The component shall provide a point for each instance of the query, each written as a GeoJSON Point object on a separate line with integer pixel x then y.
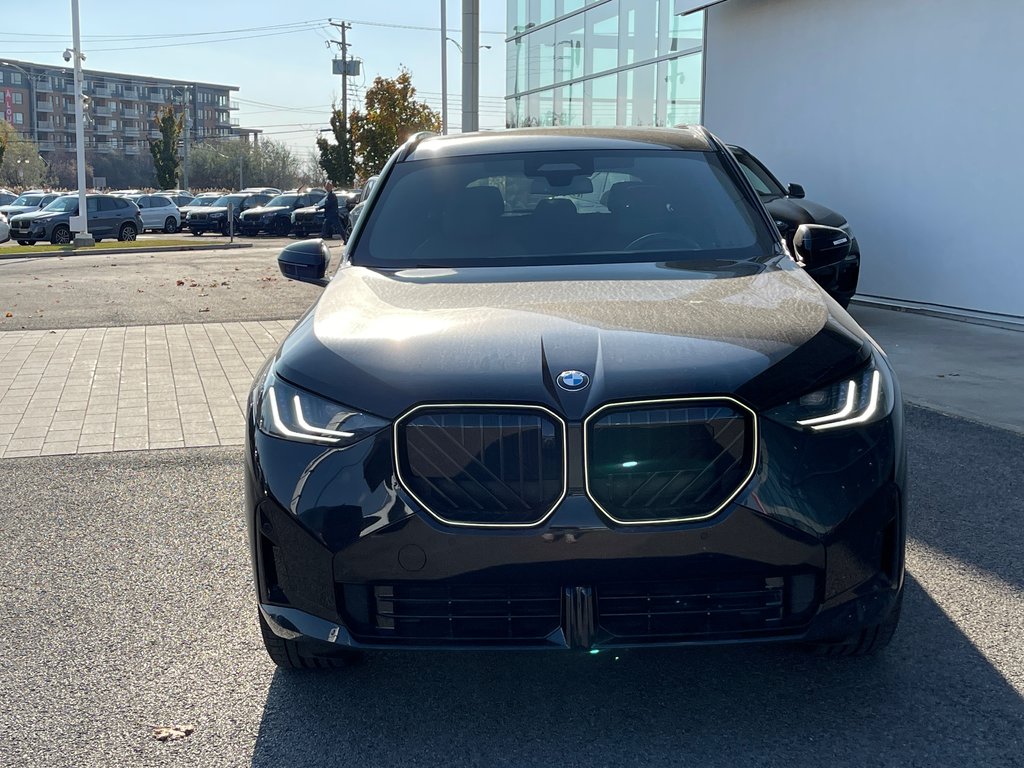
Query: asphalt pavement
{"type": "Point", "coordinates": [127, 605]}
{"type": "Point", "coordinates": [125, 590]}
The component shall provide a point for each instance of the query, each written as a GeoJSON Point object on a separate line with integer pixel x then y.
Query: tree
{"type": "Point", "coordinates": [165, 149]}
{"type": "Point", "coordinates": [336, 159]}
{"type": "Point", "coordinates": [216, 164]}
{"type": "Point", "coordinates": [392, 116]}
{"type": "Point", "coordinates": [20, 164]}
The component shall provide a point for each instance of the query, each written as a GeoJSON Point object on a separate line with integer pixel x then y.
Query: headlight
{"type": "Point", "coordinates": [295, 414]}
{"type": "Point", "coordinates": [217, 215]}
{"type": "Point", "coordinates": [860, 399]}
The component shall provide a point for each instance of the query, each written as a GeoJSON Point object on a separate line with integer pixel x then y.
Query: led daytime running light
{"type": "Point", "coordinates": [851, 399]}
{"type": "Point", "coordinates": [869, 411]}
{"type": "Point", "coordinates": [282, 429]}
{"type": "Point", "coordinates": [309, 427]}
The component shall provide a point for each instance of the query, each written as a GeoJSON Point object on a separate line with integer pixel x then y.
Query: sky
{"type": "Point", "coordinates": [281, 63]}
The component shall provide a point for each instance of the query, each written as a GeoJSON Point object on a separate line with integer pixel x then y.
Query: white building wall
{"type": "Point", "coordinates": [905, 116]}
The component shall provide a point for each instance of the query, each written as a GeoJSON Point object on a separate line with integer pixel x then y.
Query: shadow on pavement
{"type": "Point", "coordinates": [966, 486]}
{"type": "Point", "coordinates": [932, 699]}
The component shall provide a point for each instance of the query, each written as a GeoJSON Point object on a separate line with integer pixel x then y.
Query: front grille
{"type": "Point", "coordinates": [197, 216]}
{"type": "Point", "coordinates": [703, 609]}
{"type": "Point", "coordinates": [486, 465]}
{"type": "Point", "coordinates": [660, 462]}
{"type": "Point", "coordinates": [441, 613]}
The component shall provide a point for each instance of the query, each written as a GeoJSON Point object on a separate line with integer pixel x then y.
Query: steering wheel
{"type": "Point", "coordinates": [670, 239]}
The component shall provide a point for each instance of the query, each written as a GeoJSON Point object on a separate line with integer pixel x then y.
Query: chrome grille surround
{"type": "Point", "coordinates": [706, 401]}
{"type": "Point", "coordinates": [480, 407]}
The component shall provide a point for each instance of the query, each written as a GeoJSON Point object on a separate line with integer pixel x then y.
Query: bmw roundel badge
{"type": "Point", "coordinates": [572, 380]}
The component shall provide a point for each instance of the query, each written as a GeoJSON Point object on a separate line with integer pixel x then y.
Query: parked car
{"type": "Point", "coordinates": [262, 190]}
{"type": "Point", "coordinates": [27, 202]}
{"type": "Point", "coordinates": [789, 209]}
{"type": "Point", "coordinates": [5, 228]}
{"type": "Point", "coordinates": [364, 194]}
{"type": "Point", "coordinates": [7, 197]}
{"type": "Point", "coordinates": [159, 213]}
{"type": "Point", "coordinates": [509, 424]}
{"type": "Point", "coordinates": [202, 200]}
{"type": "Point", "coordinates": [310, 220]}
{"type": "Point", "coordinates": [275, 217]}
{"type": "Point", "coordinates": [108, 217]}
{"type": "Point", "coordinates": [180, 197]}
{"type": "Point", "coordinates": [214, 218]}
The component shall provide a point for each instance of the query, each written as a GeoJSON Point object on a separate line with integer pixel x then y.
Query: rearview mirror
{"type": "Point", "coordinates": [818, 246]}
{"type": "Point", "coordinates": [305, 261]}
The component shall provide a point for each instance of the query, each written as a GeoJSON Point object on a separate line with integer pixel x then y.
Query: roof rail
{"type": "Point", "coordinates": [413, 141]}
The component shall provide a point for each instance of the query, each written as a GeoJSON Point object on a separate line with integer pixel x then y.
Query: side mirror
{"type": "Point", "coordinates": [305, 261]}
{"type": "Point", "coordinates": [818, 246]}
{"type": "Point", "coordinates": [796, 190]}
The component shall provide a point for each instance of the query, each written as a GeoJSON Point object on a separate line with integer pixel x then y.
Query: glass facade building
{"type": "Point", "coordinates": [603, 62]}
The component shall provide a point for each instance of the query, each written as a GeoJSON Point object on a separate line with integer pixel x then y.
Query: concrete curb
{"type": "Point", "coordinates": [115, 251]}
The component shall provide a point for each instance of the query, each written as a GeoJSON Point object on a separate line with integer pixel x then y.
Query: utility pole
{"type": "Point", "coordinates": [344, 72]}
{"type": "Point", "coordinates": [82, 236]}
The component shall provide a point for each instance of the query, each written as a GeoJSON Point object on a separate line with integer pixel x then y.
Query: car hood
{"type": "Point", "coordinates": [214, 209]}
{"type": "Point", "coordinates": [14, 210]}
{"type": "Point", "coordinates": [265, 209]}
{"type": "Point", "coordinates": [42, 214]}
{"type": "Point", "coordinates": [385, 341]}
{"type": "Point", "coordinates": [795, 212]}
{"type": "Point", "coordinates": [309, 209]}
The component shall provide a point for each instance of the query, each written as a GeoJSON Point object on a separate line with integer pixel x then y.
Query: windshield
{"type": "Point", "coordinates": [284, 201]}
{"type": "Point", "coordinates": [202, 202]}
{"type": "Point", "coordinates": [28, 200]}
{"type": "Point", "coordinates": [762, 181]}
{"type": "Point", "coordinates": [566, 207]}
{"type": "Point", "coordinates": [63, 204]}
{"type": "Point", "coordinates": [235, 200]}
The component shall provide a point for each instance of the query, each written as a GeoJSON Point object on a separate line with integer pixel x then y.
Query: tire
{"type": "Point", "coordinates": [196, 232]}
{"type": "Point", "coordinates": [281, 228]}
{"type": "Point", "coordinates": [868, 641]}
{"type": "Point", "coordinates": [61, 235]}
{"type": "Point", "coordinates": [289, 654]}
{"type": "Point", "coordinates": [26, 242]}
{"type": "Point", "coordinates": [127, 232]}
{"type": "Point", "coordinates": [224, 230]}
{"type": "Point", "coordinates": [98, 239]}
{"type": "Point", "coordinates": [170, 225]}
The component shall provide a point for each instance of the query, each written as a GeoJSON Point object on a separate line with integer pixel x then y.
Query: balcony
{"type": "Point", "coordinates": [232, 105]}
{"type": "Point", "coordinates": [156, 98]}
{"type": "Point", "coordinates": [130, 93]}
{"type": "Point", "coordinates": [47, 146]}
{"type": "Point", "coordinates": [44, 106]}
{"type": "Point", "coordinates": [101, 91]}
{"type": "Point", "coordinates": [44, 86]}
{"type": "Point", "coordinates": [155, 134]}
{"type": "Point", "coordinates": [131, 149]}
{"type": "Point", "coordinates": [104, 128]}
{"type": "Point", "coordinates": [46, 125]}
{"type": "Point", "coordinates": [132, 132]}
{"type": "Point", "coordinates": [103, 111]}
{"type": "Point", "coordinates": [130, 113]}
{"type": "Point", "coordinates": [103, 147]}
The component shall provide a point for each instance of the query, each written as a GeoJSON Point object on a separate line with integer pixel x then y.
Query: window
{"type": "Point", "coordinates": [16, 96]}
{"type": "Point", "coordinates": [15, 78]}
{"type": "Point", "coordinates": [108, 203]}
{"type": "Point", "coordinates": [91, 205]}
{"type": "Point", "coordinates": [19, 118]}
{"type": "Point", "coordinates": [561, 207]}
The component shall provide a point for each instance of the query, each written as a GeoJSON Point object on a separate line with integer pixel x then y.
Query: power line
{"type": "Point", "coordinates": [119, 38]}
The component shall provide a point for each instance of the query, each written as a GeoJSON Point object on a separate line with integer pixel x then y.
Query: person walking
{"type": "Point", "coordinates": [330, 205]}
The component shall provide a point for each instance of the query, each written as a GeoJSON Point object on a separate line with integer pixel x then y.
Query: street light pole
{"type": "Point", "coordinates": [82, 236]}
{"type": "Point", "coordinates": [444, 67]}
{"type": "Point", "coordinates": [470, 65]}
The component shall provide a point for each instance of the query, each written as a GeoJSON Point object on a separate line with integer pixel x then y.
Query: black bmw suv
{"type": "Point", "coordinates": [789, 210]}
{"type": "Point", "coordinates": [518, 417]}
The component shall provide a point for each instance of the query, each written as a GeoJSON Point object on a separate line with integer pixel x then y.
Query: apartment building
{"type": "Point", "coordinates": [38, 100]}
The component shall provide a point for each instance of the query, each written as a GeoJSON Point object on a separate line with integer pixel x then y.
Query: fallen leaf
{"type": "Point", "coordinates": [205, 309]}
{"type": "Point", "coordinates": [201, 295]}
{"type": "Point", "coordinates": [179, 282]}
{"type": "Point", "coordinates": [9, 314]}
{"type": "Point", "coordinates": [172, 732]}
{"type": "Point", "coordinates": [139, 290]}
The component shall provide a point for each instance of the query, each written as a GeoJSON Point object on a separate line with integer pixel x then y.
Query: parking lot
{"type": "Point", "coordinates": [128, 604]}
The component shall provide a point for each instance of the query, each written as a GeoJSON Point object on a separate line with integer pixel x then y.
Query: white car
{"type": "Point", "coordinates": [5, 229]}
{"type": "Point", "coordinates": [159, 213]}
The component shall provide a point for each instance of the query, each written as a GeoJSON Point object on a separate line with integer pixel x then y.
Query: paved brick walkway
{"type": "Point", "coordinates": [92, 390]}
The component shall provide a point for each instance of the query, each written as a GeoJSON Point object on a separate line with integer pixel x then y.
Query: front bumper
{"type": "Point", "coordinates": [811, 549]}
